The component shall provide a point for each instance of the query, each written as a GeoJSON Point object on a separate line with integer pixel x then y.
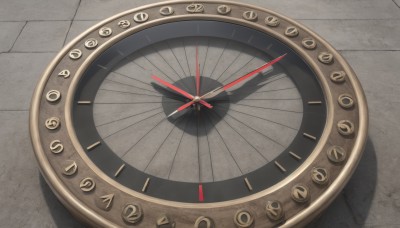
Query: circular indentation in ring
{"type": "Point", "coordinates": [105, 32]}
{"type": "Point", "coordinates": [300, 193]}
{"type": "Point", "coordinates": [291, 31]}
{"type": "Point", "coordinates": [124, 24]}
{"type": "Point", "coordinates": [346, 101]}
{"type": "Point", "coordinates": [319, 176]}
{"type": "Point", "coordinates": [345, 127]}
{"type": "Point", "coordinates": [53, 96]}
{"type": "Point", "coordinates": [272, 21]}
{"type": "Point", "coordinates": [274, 210]}
{"type": "Point", "coordinates": [338, 76]}
{"type": "Point", "coordinates": [91, 43]}
{"type": "Point", "coordinates": [75, 54]}
{"type": "Point", "coordinates": [325, 57]}
{"type": "Point", "coordinates": [224, 9]}
{"type": "Point", "coordinates": [204, 222]}
{"type": "Point", "coordinates": [336, 154]}
{"type": "Point", "coordinates": [309, 43]}
{"type": "Point", "coordinates": [243, 219]}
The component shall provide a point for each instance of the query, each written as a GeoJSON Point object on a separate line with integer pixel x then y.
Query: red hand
{"type": "Point", "coordinates": [176, 89]}
{"type": "Point", "coordinates": [197, 73]}
{"type": "Point", "coordinates": [265, 66]}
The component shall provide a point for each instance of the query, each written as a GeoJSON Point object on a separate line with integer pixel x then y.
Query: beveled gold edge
{"type": "Point", "coordinates": [339, 183]}
{"type": "Point", "coordinates": [56, 184]}
{"type": "Point", "coordinates": [322, 142]}
{"type": "Point", "coordinates": [63, 194]}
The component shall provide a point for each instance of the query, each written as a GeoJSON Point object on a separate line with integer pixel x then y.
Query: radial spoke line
{"type": "Point", "coordinates": [127, 117]}
{"type": "Point", "coordinates": [267, 137]}
{"type": "Point", "coordinates": [226, 146]}
{"type": "Point", "coordinates": [275, 109]}
{"type": "Point", "coordinates": [205, 58]}
{"type": "Point", "coordinates": [140, 102]}
{"type": "Point", "coordinates": [158, 124]}
{"type": "Point", "coordinates": [209, 151]}
{"type": "Point", "coordinates": [177, 149]}
{"type": "Point", "coordinates": [266, 159]}
{"type": "Point", "coordinates": [159, 69]}
{"type": "Point", "coordinates": [137, 64]}
{"type": "Point", "coordinates": [268, 120]}
{"type": "Point", "coordinates": [187, 60]}
{"type": "Point", "coordinates": [167, 63]}
{"type": "Point", "coordinates": [140, 94]}
{"type": "Point", "coordinates": [176, 58]}
{"type": "Point", "coordinates": [158, 149]}
{"type": "Point", "coordinates": [131, 125]}
{"type": "Point", "coordinates": [275, 90]}
{"type": "Point", "coordinates": [236, 58]}
{"type": "Point", "coordinates": [129, 85]}
{"type": "Point", "coordinates": [219, 58]}
{"type": "Point", "coordinates": [247, 63]}
{"type": "Point", "coordinates": [134, 79]}
{"type": "Point", "coordinates": [198, 146]}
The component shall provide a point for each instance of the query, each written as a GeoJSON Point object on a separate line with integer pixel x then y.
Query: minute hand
{"type": "Point", "coordinates": [221, 89]}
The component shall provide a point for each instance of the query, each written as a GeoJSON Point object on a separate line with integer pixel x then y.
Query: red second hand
{"type": "Point", "coordinates": [197, 73]}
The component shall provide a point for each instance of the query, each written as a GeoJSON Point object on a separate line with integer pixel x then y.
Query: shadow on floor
{"type": "Point", "coordinates": [61, 216]}
{"type": "Point", "coordinates": [351, 207]}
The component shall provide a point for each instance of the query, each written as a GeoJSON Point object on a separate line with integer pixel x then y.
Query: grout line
{"type": "Point", "coordinates": [367, 50]}
{"type": "Point", "coordinates": [30, 52]}
{"type": "Point", "coordinates": [19, 34]}
{"type": "Point", "coordinates": [72, 21]}
{"type": "Point", "coordinates": [14, 110]}
{"type": "Point", "coordinates": [394, 1]}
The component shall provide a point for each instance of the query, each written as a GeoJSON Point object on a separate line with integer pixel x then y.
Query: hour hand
{"type": "Point", "coordinates": [182, 92]}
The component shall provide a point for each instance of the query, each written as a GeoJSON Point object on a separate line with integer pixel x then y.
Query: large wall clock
{"type": "Point", "coordinates": [198, 114]}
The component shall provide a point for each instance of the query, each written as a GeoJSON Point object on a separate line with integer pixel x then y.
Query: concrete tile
{"type": "Point", "coordinates": [10, 34]}
{"type": "Point", "coordinates": [42, 36]}
{"type": "Point", "coordinates": [77, 28]}
{"type": "Point", "coordinates": [397, 2]}
{"type": "Point", "coordinates": [375, 71]}
{"type": "Point", "coordinates": [358, 34]}
{"type": "Point", "coordinates": [306, 9]}
{"type": "Point", "coordinates": [24, 194]}
{"type": "Point", "coordinates": [339, 9]}
{"type": "Point", "coordinates": [336, 215]}
{"type": "Point", "coordinates": [102, 9]}
{"type": "Point", "coordinates": [21, 10]}
{"type": "Point", "coordinates": [19, 75]}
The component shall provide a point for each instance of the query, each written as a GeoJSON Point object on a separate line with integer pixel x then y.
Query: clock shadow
{"type": "Point", "coordinates": [221, 103]}
{"type": "Point", "coordinates": [61, 216]}
{"type": "Point", "coordinates": [351, 207]}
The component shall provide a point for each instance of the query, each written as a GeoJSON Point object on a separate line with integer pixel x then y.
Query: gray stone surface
{"type": "Point", "coordinates": [306, 9]}
{"type": "Point", "coordinates": [22, 10]}
{"type": "Point", "coordinates": [358, 34]}
{"type": "Point", "coordinates": [370, 42]}
{"type": "Point", "coordinates": [52, 35]}
{"type": "Point", "coordinates": [26, 199]}
{"type": "Point", "coordinates": [77, 28]}
{"type": "Point", "coordinates": [7, 39]}
{"type": "Point", "coordinates": [19, 75]}
{"type": "Point", "coordinates": [397, 2]}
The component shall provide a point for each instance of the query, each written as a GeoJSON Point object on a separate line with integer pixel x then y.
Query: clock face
{"type": "Point", "coordinates": [210, 114]}
{"type": "Point", "coordinates": [254, 131]}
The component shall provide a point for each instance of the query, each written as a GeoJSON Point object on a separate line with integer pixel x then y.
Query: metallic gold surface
{"type": "Point", "coordinates": [335, 76]}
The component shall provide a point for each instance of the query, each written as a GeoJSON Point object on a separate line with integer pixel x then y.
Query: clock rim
{"type": "Point", "coordinates": [88, 215]}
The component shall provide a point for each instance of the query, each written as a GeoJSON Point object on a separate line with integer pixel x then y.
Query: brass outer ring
{"type": "Point", "coordinates": [88, 215]}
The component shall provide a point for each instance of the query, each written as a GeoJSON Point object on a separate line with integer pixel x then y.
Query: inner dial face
{"type": "Point", "coordinates": [256, 133]}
